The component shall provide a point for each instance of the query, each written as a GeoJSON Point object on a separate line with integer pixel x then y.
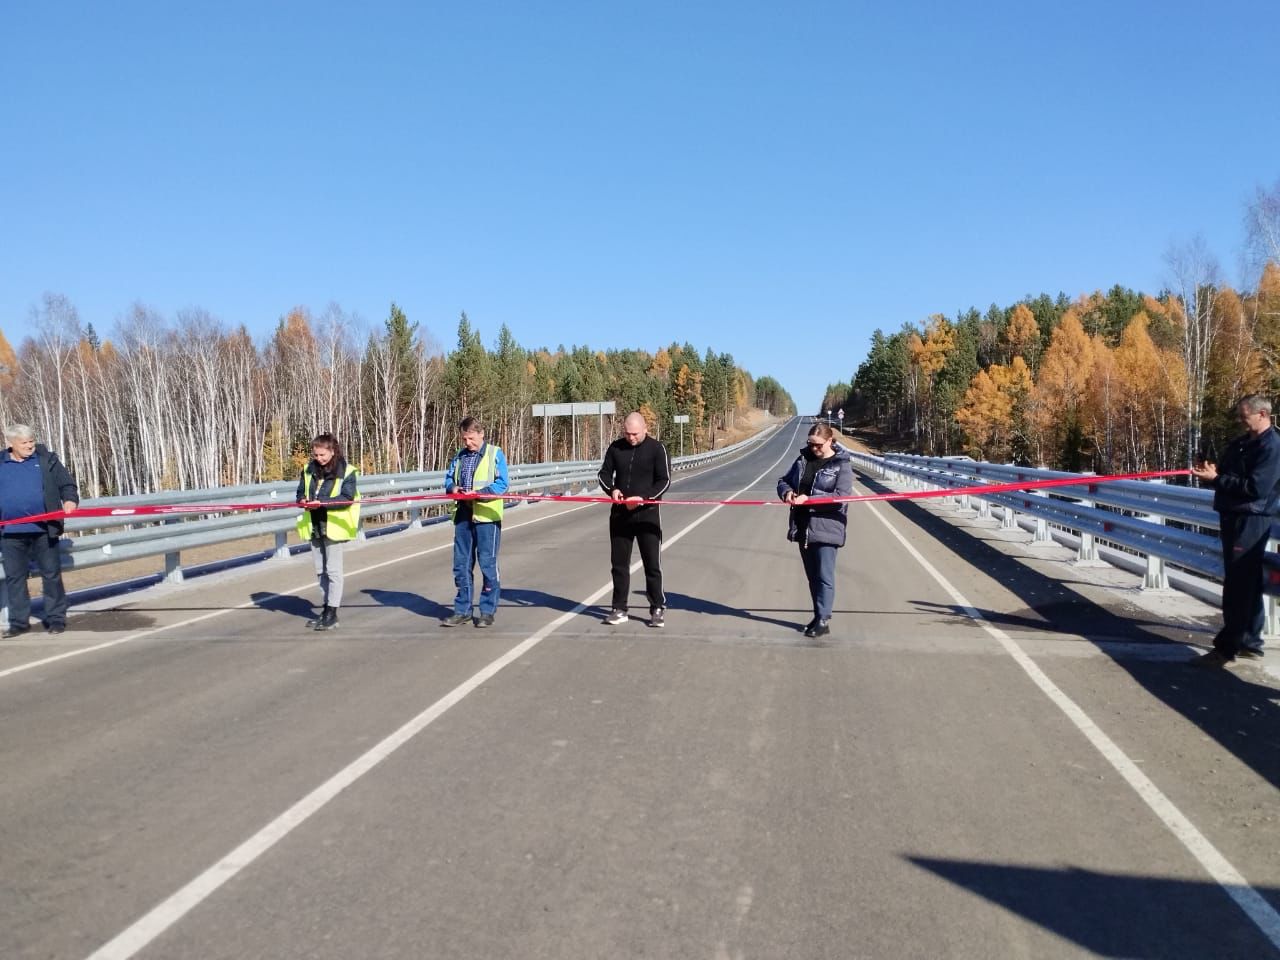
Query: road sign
{"type": "Point", "coordinates": [574, 410]}
{"type": "Point", "coordinates": [682, 419]}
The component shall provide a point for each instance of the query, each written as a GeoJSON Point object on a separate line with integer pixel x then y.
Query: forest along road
{"type": "Point", "coordinates": [980, 761]}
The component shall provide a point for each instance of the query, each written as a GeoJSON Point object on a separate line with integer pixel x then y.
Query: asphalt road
{"type": "Point", "coordinates": [993, 755]}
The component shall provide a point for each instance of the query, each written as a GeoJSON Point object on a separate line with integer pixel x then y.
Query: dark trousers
{"type": "Point", "coordinates": [645, 530]}
{"type": "Point", "coordinates": [18, 551]}
{"type": "Point", "coordinates": [1244, 541]}
{"type": "Point", "coordinates": [820, 570]}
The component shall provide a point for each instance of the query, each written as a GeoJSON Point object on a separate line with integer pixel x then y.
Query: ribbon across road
{"type": "Point", "coordinates": [1089, 484]}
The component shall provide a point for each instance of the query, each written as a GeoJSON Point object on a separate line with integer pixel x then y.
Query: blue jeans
{"type": "Point", "coordinates": [820, 569]}
{"type": "Point", "coordinates": [471, 542]}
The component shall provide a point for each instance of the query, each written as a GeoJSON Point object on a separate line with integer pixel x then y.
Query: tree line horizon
{"type": "Point", "coordinates": [1113, 382]}
{"type": "Point", "coordinates": [190, 402]}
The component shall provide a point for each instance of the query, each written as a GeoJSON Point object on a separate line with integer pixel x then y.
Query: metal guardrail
{"type": "Point", "coordinates": [1161, 525]}
{"type": "Point", "coordinates": [96, 541]}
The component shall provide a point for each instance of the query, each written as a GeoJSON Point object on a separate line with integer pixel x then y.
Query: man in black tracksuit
{"type": "Point", "coordinates": [636, 468]}
{"type": "Point", "coordinates": [1246, 487]}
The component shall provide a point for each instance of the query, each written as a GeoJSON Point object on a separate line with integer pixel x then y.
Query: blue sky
{"type": "Point", "coordinates": [772, 180]}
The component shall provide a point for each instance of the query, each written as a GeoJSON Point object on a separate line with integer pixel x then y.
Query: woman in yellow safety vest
{"type": "Point", "coordinates": [328, 478]}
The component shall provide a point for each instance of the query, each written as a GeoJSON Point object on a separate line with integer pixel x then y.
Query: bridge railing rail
{"type": "Point", "coordinates": [1150, 526]}
{"type": "Point", "coordinates": [94, 541]}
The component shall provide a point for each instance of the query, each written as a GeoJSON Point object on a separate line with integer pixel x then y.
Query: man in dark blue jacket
{"type": "Point", "coordinates": [33, 481]}
{"type": "Point", "coordinates": [1246, 487]}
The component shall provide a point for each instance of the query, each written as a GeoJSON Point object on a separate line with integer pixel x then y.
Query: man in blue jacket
{"type": "Point", "coordinates": [1246, 488]}
{"type": "Point", "coordinates": [33, 481]}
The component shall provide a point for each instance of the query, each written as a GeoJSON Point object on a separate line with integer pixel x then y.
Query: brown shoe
{"type": "Point", "coordinates": [1213, 660]}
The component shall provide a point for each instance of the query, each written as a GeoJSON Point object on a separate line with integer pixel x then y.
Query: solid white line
{"type": "Point", "coordinates": [249, 604]}
{"type": "Point", "coordinates": [169, 911]}
{"type": "Point", "coordinates": [1197, 844]}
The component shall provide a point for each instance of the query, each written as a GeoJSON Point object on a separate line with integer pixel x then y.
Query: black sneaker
{"type": "Point", "coordinates": [657, 617]}
{"type": "Point", "coordinates": [456, 620]}
{"type": "Point", "coordinates": [819, 628]}
{"type": "Point", "coordinates": [1213, 660]}
{"type": "Point", "coordinates": [1248, 654]}
{"type": "Point", "coordinates": [14, 632]}
{"type": "Point", "coordinates": [56, 628]}
{"type": "Point", "coordinates": [616, 617]}
{"type": "Point", "coordinates": [484, 620]}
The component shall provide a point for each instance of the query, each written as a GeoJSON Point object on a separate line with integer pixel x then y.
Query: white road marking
{"type": "Point", "coordinates": [168, 912]}
{"type": "Point", "coordinates": [1197, 844]}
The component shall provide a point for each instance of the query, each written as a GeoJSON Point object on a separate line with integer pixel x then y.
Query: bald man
{"type": "Point", "coordinates": [637, 468]}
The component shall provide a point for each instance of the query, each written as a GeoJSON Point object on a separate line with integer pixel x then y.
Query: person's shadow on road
{"type": "Point", "coordinates": [688, 604]}
{"type": "Point", "coordinates": [410, 602]}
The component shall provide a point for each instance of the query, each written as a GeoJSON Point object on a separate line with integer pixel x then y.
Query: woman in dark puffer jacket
{"type": "Point", "coordinates": [822, 470]}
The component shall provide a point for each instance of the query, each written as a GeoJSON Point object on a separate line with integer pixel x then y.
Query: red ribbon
{"type": "Point", "coordinates": [992, 488]}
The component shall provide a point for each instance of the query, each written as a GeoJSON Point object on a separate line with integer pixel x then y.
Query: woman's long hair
{"type": "Point", "coordinates": [329, 441]}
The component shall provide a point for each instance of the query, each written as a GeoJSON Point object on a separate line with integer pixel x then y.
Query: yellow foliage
{"type": "Point", "coordinates": [930, 354]}
{"type": "Point", "coordinates": [993, 407]}
{"type": "Point", "coordinates": [661, 366]}
{"type": "Point", "coordinates": [1065, 368]}
{"type": "Point", "coordinates": [1022, 335]}
{"type": "Point", "coordinates": [8, 364]}
{"type": "Point", "coordinates": [1235, 362]}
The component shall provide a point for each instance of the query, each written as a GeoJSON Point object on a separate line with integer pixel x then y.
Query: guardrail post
{"type": "Point", "coordinates": [4, 605]}
{"type": "Point", "coordinates": [1042, 537]}
{"type": "Point", "coordinates": [1087, 552]}
{"type": "Point", "coordinates": [282, 544]}
{"type": "Point", "coordinates": [984, 508]}
{"type": "Point", "coordinates": [173, 568]}
{"type": "Point", "coordinates": [1156, 578]}
{"type": "Point", "coordinates": [1010, 519]}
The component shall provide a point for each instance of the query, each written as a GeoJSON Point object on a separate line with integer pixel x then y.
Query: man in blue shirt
{"type": "Point", "coordinates": [33, 481]}
{"type": "Point", "coordinates": [478, 468]}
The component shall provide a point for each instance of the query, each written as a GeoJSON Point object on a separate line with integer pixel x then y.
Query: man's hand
{"type": "Point", "coordinates": [1207, 471]}
{"type": "Point", "coordinates": [616, 495]}
{"type": "Point", "coordinates": [633, 502]}
{"type": "Point", "coordinates": [69, 506]}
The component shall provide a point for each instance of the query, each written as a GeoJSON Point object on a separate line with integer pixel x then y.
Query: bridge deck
{"type": "Point", "coordinates": [913, 785]}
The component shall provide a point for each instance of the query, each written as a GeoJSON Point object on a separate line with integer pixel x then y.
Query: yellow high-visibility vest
{"type": "Point", "coordinates": [482, 511]}
{"type": "Point", "coordinates": [341, 523]}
